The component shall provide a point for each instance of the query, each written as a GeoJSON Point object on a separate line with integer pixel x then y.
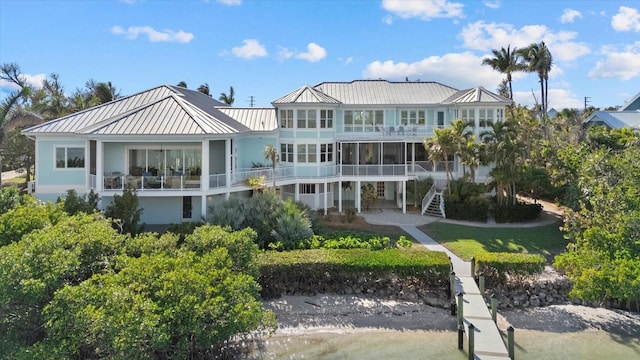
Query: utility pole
{"type": "Point", "coordinates": [252, 100]}
{"type": "Point", "coordinates": [587, 100]}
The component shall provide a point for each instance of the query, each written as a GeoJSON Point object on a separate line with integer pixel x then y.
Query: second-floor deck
{"type": "Point", "coordinates": [118, 182]}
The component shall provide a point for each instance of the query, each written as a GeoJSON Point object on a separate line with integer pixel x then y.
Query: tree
{"type": "Point", "coordinates": [506, 152]}
{"type": "Point", "coordinates": [19, 151]}
{"type": "Point", "coordinates": [228, 99]}
{"type": "Point", "coordinates": [538, 59]}
{"type": "Point", "coordinates": [270, 153]}
{"type": "Point", "coordinates": [182, 84]}
{"type": "Point", "coordinates": [73, 204]}
{"type": "Point", "coordinates": [442, 147]}
{"type": "Point", "coordinates": [11, 72]}
{"type": "Point", "coordinates": [124, 211]}
{"type": "Point", "coordinates": [292, 227]}
{"type": "Point", "coordinates": [368, 195]}
{"type": "Point", "coordinates": [505, 62]}
{"type": "Point", "coordinates": [204, 88]}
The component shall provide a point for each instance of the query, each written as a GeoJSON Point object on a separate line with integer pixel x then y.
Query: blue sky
{"type": "Point", "coordinates": [266, 49]}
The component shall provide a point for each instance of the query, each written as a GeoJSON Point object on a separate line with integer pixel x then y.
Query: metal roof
{"type": "Point", "coordinates": [632, 103]}
{"type": "Point", "coordinates": [306, 95]}
{"type": "Point", "coordinates": [383, 92]}
{"type": "Point", "coordinates": [616, 119]}
{"type": "Point", "coordinates": [164, 110]}
{"type": "Point", "coordinates": [256, 119]}
{"type": "Point", "coordinates": [476, 95]}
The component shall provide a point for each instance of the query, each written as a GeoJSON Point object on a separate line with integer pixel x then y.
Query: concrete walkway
{"type": "Point", "coordinates": [488, 340]}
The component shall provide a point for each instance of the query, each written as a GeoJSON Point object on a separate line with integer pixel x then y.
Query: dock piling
{"type": "Point", "coordinates": [472, 330]}
{"type": "Point", "coordinates": [511, 342]}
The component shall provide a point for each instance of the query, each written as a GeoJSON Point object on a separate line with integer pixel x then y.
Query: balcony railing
{"type": "Point", "coordinates": [386, 131]}
{"type": "Point", "coordinates": [117, 182]}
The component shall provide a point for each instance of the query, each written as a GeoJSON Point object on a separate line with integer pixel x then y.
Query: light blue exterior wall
{"type": "Point", "coordinates": [47, 172]}
{"type": "Point", "coordinates": [163, 210]}
{"type": "Point", "coordinates": [114, 158]}
{"type": "Point", "coordinates": [217, 157]}
{"type": "Point", "coordinates": [327, 134]}
{"type": "Point", "coordinates": [252, 150]}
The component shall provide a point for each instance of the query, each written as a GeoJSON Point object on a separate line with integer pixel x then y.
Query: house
{"type": "Point", "coordinates": [627, 116]}
{"type": "Point", "coordinates": [184, 151]}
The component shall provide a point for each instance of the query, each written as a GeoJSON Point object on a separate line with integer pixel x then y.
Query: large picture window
{"type": "Point", "coordinates": [165, 162]}
{"type": "Point", "coordinates": [307, 119]}
{"type": "Point", "coordinates": [69, 157]}
{"type": "Point", "coordinates": [363, 120]}
{"type": "Point", "coordinates": [412, 117]}
{"type": "Point", "coordinates": [307, 153]}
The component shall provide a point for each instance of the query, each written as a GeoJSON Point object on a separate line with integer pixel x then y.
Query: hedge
{"type": "Point", "coordinates": [466, 211]}
{"type": "Point", "coordinates": [516, 213]}
{"type": "Point", "coordinates": [499, 267]}
{"type": "Point", "coordinates": [319, 269]}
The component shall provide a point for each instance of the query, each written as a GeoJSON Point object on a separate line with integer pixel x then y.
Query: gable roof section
{"type": "Point", "coordinates": [256, 119]}
{"type": "Point", "coordinates": [383, 92]}
{"type": "Point", "coordinates": [164, 110]}
{"type": "Point", "coordinates": [306, 95]}
{"type": "Point", "coordinates": [616, 119]}
{"type": "Point", "coordinates": [476, 95]}
{"type": "Point", "coordinates": [631, 104]}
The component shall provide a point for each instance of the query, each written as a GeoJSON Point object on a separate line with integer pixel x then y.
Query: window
{"type": "Point", "coordinates": [363, 120]}
{"type": "Point", "coordinates": [165, 162]}
{"type": "Point", "coordinates": [468, 115]}
{"type": "Point", "coordinates": [326, 119]}
{"type": "Point", "coordinates": [307, 188]}
{"type": "Point", "coordinates": [69, 157]}
{"type": "Point", "coordinates": [286, 153]}
{"type": "Point", "coordinates": [326, 152]}
{"type": "Point", "coordinates": [307, 119]}
{"type": "Point", "coordinates": [380, 189]}
{"type": "Point", "coordinates": [187, 207]}
{"type": "Point", "coordinates": [440, 119]}
{"type": "Point", "coordinates": [307, 153]}
{"type": "Point", "coordinates": [499, 114]}
{"type": "Point", "coordinates": [482, 117]}
{"type": "Point", "coordinates": [286, 119]}
{"type": "Point", "coordinates": [412, 117]}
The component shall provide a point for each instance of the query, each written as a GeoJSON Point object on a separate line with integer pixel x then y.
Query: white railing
{"type": "Point", "coordinates": [428, 197]}
{"type": "Point", "coordinates": [374, 170]}
{"type": "Point", "coordinates": [417, 131]}
{"type": "Point", "coordinates": [151, 183]}
{"type": "Point", "coordinates": [444, 215]}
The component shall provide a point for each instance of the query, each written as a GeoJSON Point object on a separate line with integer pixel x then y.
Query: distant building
{"type": "Point", "coordinates": [627, 116]}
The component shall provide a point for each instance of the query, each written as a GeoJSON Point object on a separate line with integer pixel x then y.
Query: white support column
{"type": "Point", "coordinates": [404, 196]}
{"type": "Point", "coordinates": [296, 193]}
{"type": "Point", "coordinates": [340, 196]}
{"type": "Point", "coordinates": [358, 195]}
{"type": "Point", "coordinates": [204, 178]}
{"type": "Point", "coordinates": [326, 189]}
{"type": "Point", "coordinates": [99, 166]}
{"type": "Point", "coordinates": [227, 164]}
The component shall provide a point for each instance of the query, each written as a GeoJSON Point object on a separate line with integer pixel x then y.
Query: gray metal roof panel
{"type": "Point", "coordinates": [476, 95]}
{"type": "Point", "coordinates": [383, 92]}
{"type": "Point", "coordinates": [256, 119]}
{"type": "Point", "coordinates": [162, 110]}
{"type": "Point", "coordinates": [306, 95]}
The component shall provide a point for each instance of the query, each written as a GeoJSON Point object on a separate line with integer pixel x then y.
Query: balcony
{"type": "Point", "coordinates": [385, 132]}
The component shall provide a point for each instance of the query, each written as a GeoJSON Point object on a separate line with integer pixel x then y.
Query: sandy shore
{"type": "Point", "coordinates": [348, 313]}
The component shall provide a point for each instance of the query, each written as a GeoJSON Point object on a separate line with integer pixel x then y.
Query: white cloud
{"type": "Point", "coordinates": [569, 16]}
{"type": "Point", "coordinates": [314, 53]}
{"type": "Point", "coordinates": [492, 4]}
{"type": "Point", "coordinates": [469, 71]}
{"type": "Point", "coordinates": [623, 65]}
{"type": "Point", "coordinates": [284, 53]}
{"type": "Point", "coordinates": [251, 48]}
{"type": "Point", "coordinates": [425, 9]}
{"type": "Point", "coordinates": [230, 2]}
{"type": "Point", "coordinates": [133, 32]}
{"type": "Point", "coordinates": [486, 36]}
{"type": "Point", "coordinates": [388, 19]}
{"type": "Point", "coordinates": [35, 81]}
{"type": "Point", "coordinates": [627, 19]}
{"type": "Point", "coordinates": [347, 60]}
{"type": "Point", "coordinates": [559, 98]}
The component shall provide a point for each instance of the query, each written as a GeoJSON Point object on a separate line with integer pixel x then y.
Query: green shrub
{"type": "Point", "coordinates": [311, 269]}
{"type": "Point", "coordinates": [516, 213]}
{"type": "Point", "coordinates": [184, 229]}
{"type": "Point", "coordinates": [27, 216]}
{"type": "Point", "coordinates": [473, 209]}
{"type": "Point", "coordinates": [74, 203]}
{"type": "Point", "coordinates": [500, 267]}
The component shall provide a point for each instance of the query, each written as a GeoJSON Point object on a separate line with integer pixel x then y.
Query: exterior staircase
{"type": "Point", "coordinates": [433, 201]}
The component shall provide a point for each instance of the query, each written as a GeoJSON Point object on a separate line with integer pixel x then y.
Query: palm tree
{"type": "Point", "coordinates": [461, 136]}
{"type": "Point", "coordinates": [506, 153]}
{"type": "Point", "coordinates": [182, 84]}
{"type": "Point", "coordinates": [270, 153]}
{"type": "Point", "coordinates": [204, 88]}
{"type": "Point", "coordinates": [440, 147]}
{"type": "Point", "coordinates": [538, 59]}
{"type": "Point", "coordinates": [105, 92]}
{"type": "Point", "coordinates": [505, 62]}
{"type": "Point", "coordinates": [11, 72]}
{"type": "Point", "coordinates": [228, 99]}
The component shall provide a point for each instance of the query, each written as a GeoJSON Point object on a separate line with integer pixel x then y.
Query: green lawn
{"type": "Point", "coordinates": [467, 241]}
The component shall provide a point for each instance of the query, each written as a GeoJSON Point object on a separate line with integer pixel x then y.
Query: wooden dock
{"type": "Point", "coordinates": [488, 342]}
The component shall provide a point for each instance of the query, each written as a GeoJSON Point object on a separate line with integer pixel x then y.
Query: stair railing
{"type": "Point", "coordinates": [428, 197]}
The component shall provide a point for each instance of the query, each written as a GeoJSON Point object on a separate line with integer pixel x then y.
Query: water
{"type": "Point", "coordinates": [392, 344]}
